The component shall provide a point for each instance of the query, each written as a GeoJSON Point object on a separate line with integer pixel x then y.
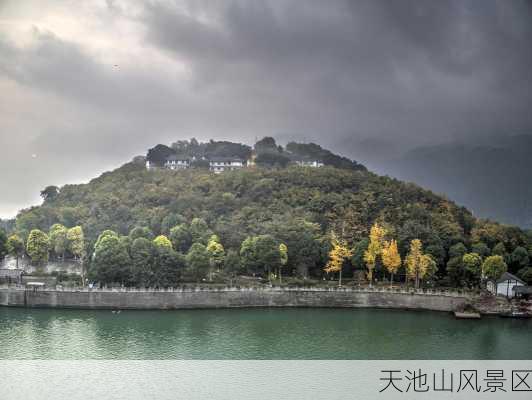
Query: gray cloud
{"type": "Point", "coordinates": [353, 75]}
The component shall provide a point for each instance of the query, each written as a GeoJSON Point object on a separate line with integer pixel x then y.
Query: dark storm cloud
{"type": "Point", "coordinates": [415, 70]}
{"type": "Point", "coordinates": [357, 76]}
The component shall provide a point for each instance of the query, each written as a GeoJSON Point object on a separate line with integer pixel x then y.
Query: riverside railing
{"type": "Point", "coordinates": [193, 289]}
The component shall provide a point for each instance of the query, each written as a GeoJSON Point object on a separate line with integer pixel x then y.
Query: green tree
{"type": "Point", "coordinates": [181, 238]}
{"type": "Point", "coordinates": [169, 267]}
{"type": "Point", "coordinates": [519, 259]}
{"type": "Point", "coordinates": [3, 244]}
{"type": "Point", "coordinates": [437, 252]}
{"type": "Point", "coordinates": [103, 235]}
{"type": "Point", "coordinates": [49, 193]}
{"type": "Point", "coordinates": [472, 263]}
{"type": "Point", "coordinates": [76, 242]}
{"type": "Point", "coordinates": [493, 267]}
{"type": "Point", "coordinates": [197, 261]}
{"type": "Point", "coordinates": [455, 267]}
{"type": "Point", "coordinates": [457, 250]}
{"type": "Point", "coordinates": [259, 254]}
{"type": "Point", "coordinates": [525, 274]}
{"type": "Point", "coordinates": [200, 232]}
{"type": "Point", "coordinates": [357, 260]}
{"type": "Point", "coordinates": [481, 249]}
{"type": "Point", "coordinates": [58, 240]}
{"type": "Point", "coordinates": [248, 255]}
{"type": "Point", "coordinates": [141, 232]}
{"type": "Point", "coordinates": [38, 246]}
{"type": "Point", "coordinates": [499, 250]}
{"type": "Point", "coordinates": [143, 257]}
{"type": "Point", "coordinates": [170, 221]}
{"type": "Point", "coordinates": [15, 247]}
{"type": "Point", "coordinates": [232, 265]}
{"type": "Point", "coordinates": [111, 261]}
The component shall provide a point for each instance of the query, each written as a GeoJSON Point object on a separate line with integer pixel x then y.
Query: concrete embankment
{"type": "Point", "coordinates": [231, 298]}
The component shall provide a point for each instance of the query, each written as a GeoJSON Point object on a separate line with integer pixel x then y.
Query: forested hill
{"type": "Point", "coordinates": [299, 206]}
{"type": "Point", "coordinates": [249, 201]}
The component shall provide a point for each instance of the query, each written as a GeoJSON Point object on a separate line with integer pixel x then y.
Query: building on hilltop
{"type": "Point", "coordinates": [177, 162]}
{"type": "Point", "coordinates": [173, 162]}
{"type": "Point", "coordinates": [306, 161]}
{"type": "Point", "coordinates": [216, 164]}
{"type": "Point", "coordinates": [221, 164]}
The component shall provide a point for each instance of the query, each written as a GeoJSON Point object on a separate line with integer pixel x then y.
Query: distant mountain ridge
{"type": "Point", "coordinates": [494, 181]}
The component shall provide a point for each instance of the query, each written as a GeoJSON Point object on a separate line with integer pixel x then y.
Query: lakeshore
{"type": "Point", "coordinates": [231, 297]}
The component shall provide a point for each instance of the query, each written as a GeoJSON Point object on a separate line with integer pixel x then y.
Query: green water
{"type": "Point", "coordinates": [258, 334]}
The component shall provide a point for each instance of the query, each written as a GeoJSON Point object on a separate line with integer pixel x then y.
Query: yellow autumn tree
{"type": "Point", "coordinates": [337, 256]}
{"type": "Point", "coordinates": [391, 258]}
{"type": "Point", "coordinates": [417, 263]}
{"type": "Point", "coordinates": [283, 253]}
{"type": "Point", "coordinates": [376, 244]}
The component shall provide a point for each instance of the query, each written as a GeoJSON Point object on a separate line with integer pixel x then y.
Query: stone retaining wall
{"type": "Point", "coordinates": [226, 299]}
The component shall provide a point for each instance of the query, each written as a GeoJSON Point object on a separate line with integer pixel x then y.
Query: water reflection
{"type": "Point", "coordinates": [258, 334]}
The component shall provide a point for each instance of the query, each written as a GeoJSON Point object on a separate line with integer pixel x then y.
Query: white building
{"type": "Point", "coordinates": [309, 163]}
{"type": "Point", "coordinates": [221, 164]}
{"type": "Point", "coordinates": [505, 285]}
{"type": "Point", "coordinates": [305, 161]}
{"type": "Point", "coordinates": [177, 162]}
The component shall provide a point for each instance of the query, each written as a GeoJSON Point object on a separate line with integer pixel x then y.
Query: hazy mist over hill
{"type": "Point", "coordinates": [489, 175]}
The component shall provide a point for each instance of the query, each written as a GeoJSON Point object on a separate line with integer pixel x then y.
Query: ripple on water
{"type": "Point", "coordinates": [258, 334]}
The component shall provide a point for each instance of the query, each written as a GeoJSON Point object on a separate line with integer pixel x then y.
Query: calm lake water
{"type": "Point", "coordinates": [258, 334]}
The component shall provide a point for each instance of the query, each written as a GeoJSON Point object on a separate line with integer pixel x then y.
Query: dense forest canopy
{"type": "Point", "coordinates": [194, 220]}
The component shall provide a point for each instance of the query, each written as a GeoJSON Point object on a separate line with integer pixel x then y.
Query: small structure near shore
{"type": "Point", "coordinates": [9, 275]}
{"type": "Point", "coordinates": [505, 285]}
{"type": "Point", "coordinates": [466, 315]}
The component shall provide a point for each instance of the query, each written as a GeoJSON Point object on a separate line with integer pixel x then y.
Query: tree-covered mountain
{"type": "Point", "coordinates": [254, 210]}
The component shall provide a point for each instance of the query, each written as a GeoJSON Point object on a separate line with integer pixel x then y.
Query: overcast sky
{"type": "Point", "coordinates": [87, 85]}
